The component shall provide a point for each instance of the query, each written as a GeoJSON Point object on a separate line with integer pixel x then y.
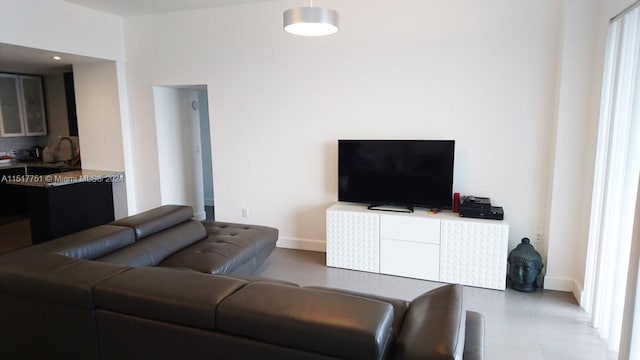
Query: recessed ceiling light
{"type": "Point", "coordinates": [57, 58]}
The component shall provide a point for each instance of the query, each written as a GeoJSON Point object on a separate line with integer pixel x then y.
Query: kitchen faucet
{"type": "Point", "coordinates": [73, 155]}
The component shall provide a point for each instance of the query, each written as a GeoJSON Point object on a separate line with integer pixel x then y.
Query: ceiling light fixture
{"type": "Point", "coordinates": [58, 58]}
{"type": "Point", "coordinates": [311, 21]}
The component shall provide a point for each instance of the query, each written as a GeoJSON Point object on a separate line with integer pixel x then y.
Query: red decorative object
{"type": "Point", "coordinates": [456, 202]}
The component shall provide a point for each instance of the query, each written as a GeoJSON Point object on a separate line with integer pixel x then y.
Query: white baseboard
{"type": "Point", "coordinates": [558, 283]}
{"type": "Point", "coordinates": [578, 292]}
{"type": "Point", "coordinates": [301, 244]}
{"type": "Point", "coordinates": [564, 284]}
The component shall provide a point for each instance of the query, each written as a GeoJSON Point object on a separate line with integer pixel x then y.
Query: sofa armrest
{"type": "Point", "coordinates": [399, 306]}
{"type": "Point", "coordinates": [474, 337]}
{"type": "Point", "coordinates": [434, 326]}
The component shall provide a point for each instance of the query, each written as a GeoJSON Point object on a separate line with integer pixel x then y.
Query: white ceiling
{"type": "Point", "coordinates": [19, 59]}
{"type": "Point", "coordinates": [145, 7]}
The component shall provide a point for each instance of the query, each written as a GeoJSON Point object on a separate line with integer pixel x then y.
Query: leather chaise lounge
{"type": "Point", "coordinates": [160, 285]}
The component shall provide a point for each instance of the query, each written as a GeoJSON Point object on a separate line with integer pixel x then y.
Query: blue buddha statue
{"type": "Point", "coordinates": [525, 267]}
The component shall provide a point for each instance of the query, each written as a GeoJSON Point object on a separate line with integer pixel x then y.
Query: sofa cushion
{"type": "Point", "coordinates": [265, 237]}
{"type": "Point", "coordinates": [179, 297]}
{"type": "Point", "coordinates": [155, 220]}
{"type": "Point", "coordinates": [226, 248]}
{"type": "Point", "coordinates": [438, 313]}
{"type": "Point", "coordinates": [322, 322]}
{"type": "Point", "coordinates": [153, 249]}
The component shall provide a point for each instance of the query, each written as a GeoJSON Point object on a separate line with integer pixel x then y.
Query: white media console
{"type": "Point", "coordinates": [438, 247]}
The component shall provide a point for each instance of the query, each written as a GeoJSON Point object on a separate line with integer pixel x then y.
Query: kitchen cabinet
{"type": "Point", "coordinates": [13, 203]}
{"type": "Point", "coordinates": [14, 200]}
{"type": "Point", "coordinates": [56, 202]}
{"type": "Point", "coordinates": [10, 112]}
{"type": "Point", "coordinates": [22, 111]}
{"type": "Point", "coordinates": [61, 210]}
{"type": "Point", "coordinates": [35, 121]}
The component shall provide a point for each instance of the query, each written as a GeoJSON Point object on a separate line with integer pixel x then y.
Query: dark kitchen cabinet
{"type": "Point", "coordinates": [54, 211]}
{"type": "Point", "coordinates": [13, 199]}
{"type": "Point", "coordinates": [61, 210]}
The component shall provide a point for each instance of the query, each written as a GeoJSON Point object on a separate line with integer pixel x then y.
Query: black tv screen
{"type": "Point", "coordinates": [396, 172]}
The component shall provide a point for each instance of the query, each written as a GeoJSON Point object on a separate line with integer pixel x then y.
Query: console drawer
{"type": "Point", "coordinates": [410, 259]}
{"type": "Point", "coordinates": [418, 229]}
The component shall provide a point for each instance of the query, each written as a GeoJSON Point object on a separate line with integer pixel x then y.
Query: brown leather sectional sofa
{"type": "Point", "coordinates": [160, 285]}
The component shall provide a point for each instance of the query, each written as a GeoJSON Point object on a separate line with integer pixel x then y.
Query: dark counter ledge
{"type": "Point", "coordinates": [64, 178]}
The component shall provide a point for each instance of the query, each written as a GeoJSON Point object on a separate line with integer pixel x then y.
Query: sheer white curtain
{"type": "Point", "coordinates": [630, 342]}
{"type": "Point", "coordinates": [616, 180]}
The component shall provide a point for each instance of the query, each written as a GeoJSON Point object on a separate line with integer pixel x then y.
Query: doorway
{"type": "Point", "coordinates": [184, 148]}
{"type": "Point", "coordinates": [207, 161]}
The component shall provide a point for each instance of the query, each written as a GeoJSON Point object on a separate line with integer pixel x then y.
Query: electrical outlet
{"type": "Point", "coordinates": [538, 239]}
{"type": "Point", "coordinates": [245, 213]}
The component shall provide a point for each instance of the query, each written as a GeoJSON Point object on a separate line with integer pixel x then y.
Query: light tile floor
{"type": "Point", "coordinates": [545, 325]}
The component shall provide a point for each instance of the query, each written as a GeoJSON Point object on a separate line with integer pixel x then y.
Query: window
{"type": "Point", "coordinates": [616, 179]}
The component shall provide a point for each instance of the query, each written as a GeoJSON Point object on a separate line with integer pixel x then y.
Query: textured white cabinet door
{"type": "Point", "coordinates": [353, 240]}
{"type": "Point", "coordinates": [410, 259]}
{"type": "Point", "coordinates": [474, 253]}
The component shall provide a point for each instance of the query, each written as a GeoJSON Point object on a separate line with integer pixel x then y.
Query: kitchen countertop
{"type": "Point", "coordinates": [64, 178]}
{"type": "Point", "coordinates": [41, 164]}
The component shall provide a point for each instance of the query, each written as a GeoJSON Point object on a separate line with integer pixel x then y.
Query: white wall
{"type": "Point", "coordinates": [579, 85]}
{"type": "Point", "coordinates": [576, 117]}
{"type": "Point", "coordinates": [100, 121]}
{"type": "Point", "coordinates": [481, 73]}
{"type": "Point", "coordinates": [179, 154]}
{"type": "Point", "coordinates": [61, 26]}
{"type": "Point", "coordinates": [98, 109]}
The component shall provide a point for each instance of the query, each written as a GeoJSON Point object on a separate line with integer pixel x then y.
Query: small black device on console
{"type": "Point", "coordinates": [480, 208]}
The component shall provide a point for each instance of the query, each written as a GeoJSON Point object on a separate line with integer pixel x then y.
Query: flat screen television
{"type": "Point", "coordinates": [407, 173]}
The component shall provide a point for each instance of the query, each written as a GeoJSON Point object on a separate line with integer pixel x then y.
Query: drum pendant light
{"type": "Point", "coordinates": [311, 21]}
